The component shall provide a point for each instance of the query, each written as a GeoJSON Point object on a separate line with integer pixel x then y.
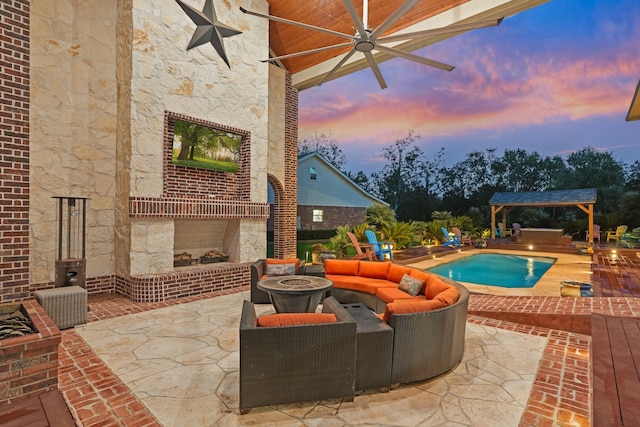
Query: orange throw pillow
{"type": "Point", "coordinates": [348, 267]}
{"type": "Point", "coordinates": [374, 269]}
{"type": "Point", "coordinates": [292, 319]}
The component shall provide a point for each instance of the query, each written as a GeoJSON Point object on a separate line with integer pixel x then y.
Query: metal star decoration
{"type": "Point", "coordinates": [209, 29]}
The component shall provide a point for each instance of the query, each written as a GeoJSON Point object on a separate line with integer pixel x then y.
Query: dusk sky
{"type": "Point", "coordinates": [553, 79]}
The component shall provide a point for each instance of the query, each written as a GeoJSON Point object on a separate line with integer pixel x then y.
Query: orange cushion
{"type": "Point", "coordinates": [448, 296]}
{"type": "Point", "coordinates": [341, 266]}
{"type": "Point", "coordinates": [291, 319]}
{"type": "Point", "coordinates": [356, 283]}
{"type": "Point", "coordinates": [405, 306]}
{"type": "Point", "coordinates": [396, 271]}
{"type": "Point", "coordinates": [295, 261]}
{"type": "Point", "coordinates": [374, 269]}
{"type": "Point", "coordinates": [422, 275]}
{"type": "Point", "coordinates": [435, 285]}
{"type": "Point", "coordinates": [392, 294]}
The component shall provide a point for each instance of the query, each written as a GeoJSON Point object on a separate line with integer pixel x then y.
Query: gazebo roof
{"type": "Point", "coordinates": [545, 198]}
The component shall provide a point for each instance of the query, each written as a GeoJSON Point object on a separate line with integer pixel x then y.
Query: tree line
{"type": "Point", "coordinates": [415, 185]}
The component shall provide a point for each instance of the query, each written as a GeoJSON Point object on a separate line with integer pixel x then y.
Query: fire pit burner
{"type": "Point", "coordinates": [14, 323]}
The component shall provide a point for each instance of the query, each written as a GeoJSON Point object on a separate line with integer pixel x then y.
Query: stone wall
{"type": "Point", "coordinates": [103, 77]}
{"type": "Point", "coordinates": [73, 127]}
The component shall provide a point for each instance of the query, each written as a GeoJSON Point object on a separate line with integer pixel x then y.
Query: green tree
{"type": "Point", "coordinates": [402, 173]}
{"type": "Point", "coordinates": [589, 168]}
{"type": "Point", "coordinates": [326, 146]}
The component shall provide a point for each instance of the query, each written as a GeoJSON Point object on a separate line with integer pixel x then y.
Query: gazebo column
{"type": "Point", "coordinates": [589, 211]}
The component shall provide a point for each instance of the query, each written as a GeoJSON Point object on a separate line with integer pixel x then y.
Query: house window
{"type": "Point", "coordinates": [313, 174]}
{"type": "Point", "coordinates": [317, 215]}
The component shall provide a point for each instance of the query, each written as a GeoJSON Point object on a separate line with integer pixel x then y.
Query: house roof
{"type": "Point", "coordinates": [315, 154]}
{"type": "Point", "coordinates": [545, 198]}
{"type": "Point", "coordinates": [307, 70]}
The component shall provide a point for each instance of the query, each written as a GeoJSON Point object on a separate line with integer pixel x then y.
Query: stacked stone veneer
{"type": "Point", "coordinates": [29, 364]}
{"type": "Point", "coordinates": [108, 78]}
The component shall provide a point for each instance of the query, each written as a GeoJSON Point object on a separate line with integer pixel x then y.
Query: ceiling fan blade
{"type": "Point", "coordinates": [412, 57]}
{"type": "Point", "coordinates": [375, 69]}
{"type": "Point", "coordinates": [348, 4]}
{"type": "Point", "coordinates": [306, 52]}
{"type": "Point", "coordinates": [393, 18]}
{"type": "Point", "coordinates": [299, 24]}
{"type": "Point", "coordinates": [334, 69]}
{"type": "Point", "coordinates": [444, 30]}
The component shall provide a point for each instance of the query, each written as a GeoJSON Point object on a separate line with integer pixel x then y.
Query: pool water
{"type": "Point", "coordinates": [507, 271]}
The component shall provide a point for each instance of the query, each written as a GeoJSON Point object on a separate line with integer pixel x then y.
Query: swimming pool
{"type": "Point", "coordinates": [507, 271]}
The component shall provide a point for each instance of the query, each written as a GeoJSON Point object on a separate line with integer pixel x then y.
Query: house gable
{"type": "Point", "coordinates": [321, 184]}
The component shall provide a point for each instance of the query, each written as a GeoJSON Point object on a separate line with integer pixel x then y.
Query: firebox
{"type": "Point", "coordinates": [72, 224]}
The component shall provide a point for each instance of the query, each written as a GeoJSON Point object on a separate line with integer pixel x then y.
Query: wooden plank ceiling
{"type": "Point", "coordinates": [308, 70]}
{"type": "Point", "coordinates": [331, 14]}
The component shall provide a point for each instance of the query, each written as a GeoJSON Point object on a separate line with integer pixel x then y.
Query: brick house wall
{"type": "Point", "coordinates": [14, 149]}
{"type": "Point", "coordinates": [332, 217]}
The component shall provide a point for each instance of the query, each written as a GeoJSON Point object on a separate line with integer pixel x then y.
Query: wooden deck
{"type": "Point", "coordinates": [616, 274]}
{"type": "Point", "coordinates": [615, 360]}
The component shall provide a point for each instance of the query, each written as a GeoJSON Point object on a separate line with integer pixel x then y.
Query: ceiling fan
{"type": "Point", "coordinates": [366, 39]}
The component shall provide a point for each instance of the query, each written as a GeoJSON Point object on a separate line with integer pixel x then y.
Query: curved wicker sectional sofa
{"type": "Point", "coordinates": [428, 333]}
{"type": "Point", "coordinates": [427, 341]}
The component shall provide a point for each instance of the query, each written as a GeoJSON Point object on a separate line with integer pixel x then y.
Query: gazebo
{"type": "Point", "coordinates": [583, 198]}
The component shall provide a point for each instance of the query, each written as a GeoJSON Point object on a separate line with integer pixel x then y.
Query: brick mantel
{"type": "Point", "coordinates": [195, 207]}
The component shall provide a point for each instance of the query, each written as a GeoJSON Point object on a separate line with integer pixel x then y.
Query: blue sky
{"type": "Point", "coordinates": [553, 79]}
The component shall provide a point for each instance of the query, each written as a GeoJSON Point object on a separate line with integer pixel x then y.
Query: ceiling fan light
{"type": "Point", "coordinates": [364, 45]}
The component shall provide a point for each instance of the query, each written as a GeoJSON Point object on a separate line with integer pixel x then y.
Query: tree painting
{"type": "Point", "coordinates": [205, 147]}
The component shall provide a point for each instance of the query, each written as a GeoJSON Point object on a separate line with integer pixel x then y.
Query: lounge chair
{"type": "Point", "coordinates": [363, 250]}
{"type": "Point", "coordinates": [631, 240]}
{"type": "Point", "coordinates": [463, 238]}
{"type": "Point", "coordinates": [617, 235]}
{"type": "Point", "coordinates": [596, 233]}
{"type": "Point", "coordinates": [450, 241]}
{"type": "Point", "coordinates": [382, 249]}
{"type": "Point", "coordinates": [516, 228]}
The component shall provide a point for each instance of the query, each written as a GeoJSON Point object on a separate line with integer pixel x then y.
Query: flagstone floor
{"type": "Point", "coordinates": [182, 363]}
{"type": "Point", "coordinates": [176, 364]}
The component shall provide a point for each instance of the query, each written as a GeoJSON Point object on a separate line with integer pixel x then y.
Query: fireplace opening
{"type": "Point", "coordinates": [204, 241]}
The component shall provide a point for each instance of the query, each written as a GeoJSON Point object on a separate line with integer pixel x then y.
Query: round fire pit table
{"type": "Point", "coordinates": [295, 294]}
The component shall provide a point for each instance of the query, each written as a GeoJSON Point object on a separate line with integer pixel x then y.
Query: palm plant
{"type": "Point", "coordinates": [359, 230]}
{"type": "Point", "coordinates": [340, 241]}
{"type": "Point", "coordinates": [379, 216]}
{"type": "Point", "coordinates": [400, 233]}
{"type": "Point", "coordinates": [433, 231]}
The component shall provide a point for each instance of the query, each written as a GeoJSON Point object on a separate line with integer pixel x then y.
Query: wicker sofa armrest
{"type": "Point", "coordinates": [257, 271]}
{"type": "Point", "coordinates": [288, 364]}
{"type": "Point", "coordinates": [430, 343]}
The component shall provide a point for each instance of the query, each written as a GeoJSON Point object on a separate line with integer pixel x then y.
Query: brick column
{"type": "Point", "coordinates": [14, 149]}
{"type": "Point", "coordinates": [285, 226]}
